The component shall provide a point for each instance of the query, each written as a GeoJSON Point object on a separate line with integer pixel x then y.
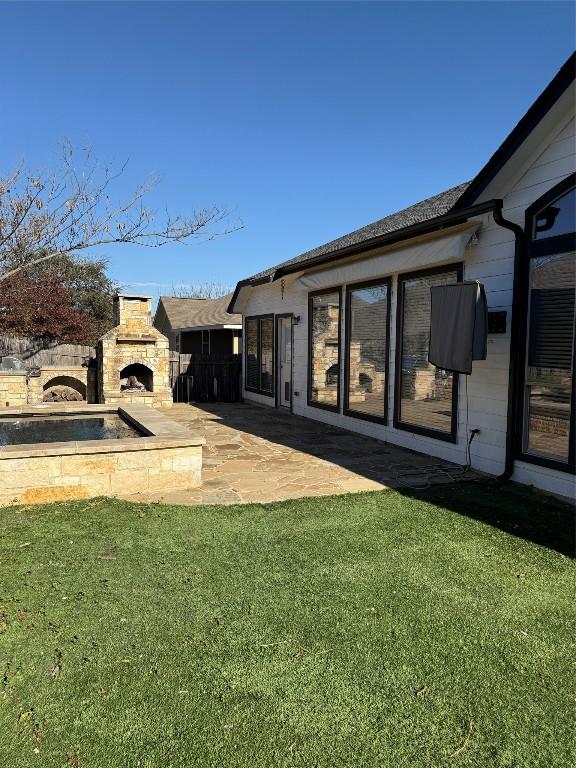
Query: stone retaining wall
{"type": "Point", "coordinates": [168, 457]}
{"type": "Point", "coordinates": [118, 472]}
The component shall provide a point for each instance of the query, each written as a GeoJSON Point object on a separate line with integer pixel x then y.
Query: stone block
{"type": "Point", "coordinates": [170, 480]}
{"type": "Point", "coordinates": [187, 463]}
{"type": "Point", "coordinates": [11, 480]}
{"type": "Point", "coordinates": [138, 460]}
{"type": "Point", "coordinates": [129, 481]}
{"type": "Point", "coordinates": [68, 480]}
{"type": "Point", "coordinates": [45, 494]}
{"type": "Point", "coordinates": [89, 465]}
{"type": "Point", "coordinates": [97, 485]}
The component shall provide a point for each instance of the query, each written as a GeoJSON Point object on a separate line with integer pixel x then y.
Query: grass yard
{"type": "Point", "coordinates": [378, 629]}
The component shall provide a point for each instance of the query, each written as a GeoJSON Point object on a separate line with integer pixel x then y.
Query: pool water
{"type": "Point", "coordinates": [56, 429]}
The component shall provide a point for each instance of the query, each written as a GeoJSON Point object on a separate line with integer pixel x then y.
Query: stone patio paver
{"type": "Point", "coordinates": [259, 454]}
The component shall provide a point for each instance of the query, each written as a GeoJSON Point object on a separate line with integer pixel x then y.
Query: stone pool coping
{"type": "Point", "coordinates": [159, 431]}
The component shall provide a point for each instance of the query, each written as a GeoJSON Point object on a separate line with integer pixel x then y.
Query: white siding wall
{"type": "Point", "coordinates": [491, 261]}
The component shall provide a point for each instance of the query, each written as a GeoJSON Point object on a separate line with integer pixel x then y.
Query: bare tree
{"type": "Point", "coordinates": [46, 215]}
{"type": "Point", "coordinates": [209, 290]}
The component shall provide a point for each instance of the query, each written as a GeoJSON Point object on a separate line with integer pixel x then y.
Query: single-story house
{"type": "Point", "coordinates": [341, 333]}
{"type": "Point", "coordinates": [201, 326]}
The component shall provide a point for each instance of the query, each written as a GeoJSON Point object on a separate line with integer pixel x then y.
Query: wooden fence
{"type": "Point", "coordinates": [33, 352]}
{"type": "Point", "coordinates": [193, 377]}
{"type": "Point", "coordinates": [206, 378]}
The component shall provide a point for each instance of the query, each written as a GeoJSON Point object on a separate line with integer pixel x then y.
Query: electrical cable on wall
{"type": "Point", "coordinates": [458, 335]}
{"type": "Point", "coordinates": [472, 432]}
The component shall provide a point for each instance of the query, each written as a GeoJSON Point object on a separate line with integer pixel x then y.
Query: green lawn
{"type": "Point", "coordinates": [376, 630]}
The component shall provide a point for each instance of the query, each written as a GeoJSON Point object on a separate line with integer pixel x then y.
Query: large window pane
{"type": "Point", "coordinates": [367, 350]}
{"type": "Point", "coordinates": [325, 349]}
{"type": "Point", "coordinates": [266, 354]}
{"type": "Point", "coordinates": [260, 354]}
{"type": "Point", "coordinates": [425, 391]}
{"type": "Point", "coordinates": [550, 355]}
{"type": "Point", "coordinates": [252, 368]}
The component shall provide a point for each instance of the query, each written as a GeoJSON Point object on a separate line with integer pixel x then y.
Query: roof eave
{"type": "Point", "coordinates": [423, 227]}
{"type": "Point", "coordinates": [244, 284]}
{"type": "Point", "coordinates": [398, 236]}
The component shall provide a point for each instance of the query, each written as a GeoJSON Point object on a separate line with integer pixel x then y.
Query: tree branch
{"type": "Point", "coordinates": [70, 210]}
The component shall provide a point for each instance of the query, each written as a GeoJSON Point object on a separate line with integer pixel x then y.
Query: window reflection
{"type": "Point", "coordinates": [252, 377]}
{"type": "Point", "coordinates": [266, 354]}
{"type": "Point", "coordinates": [425, 391]}
{"type": "Point", "coordinates": [367, 350]}
{"type": "Point", "coordinates": [325, 348]}
{"type": "Point", "coordinates": [550, 355]}
{"type": "Point", "coordinates": [557, 218]}
{"type": "Point", "coordinates": [260, 354]}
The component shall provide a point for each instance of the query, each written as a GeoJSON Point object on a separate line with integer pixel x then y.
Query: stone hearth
{"type": "Point", "coordinates": [133, 358]}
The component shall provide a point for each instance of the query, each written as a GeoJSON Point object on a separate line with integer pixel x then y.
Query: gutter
{"type": "Point", "coordinates": [452, 217]}
{"type": "Point", "coordinates": [516, 332]}
{"type": "Point", "coordinates": [421, 228]}
{"type": "Point", "coordinates": [243, 284]}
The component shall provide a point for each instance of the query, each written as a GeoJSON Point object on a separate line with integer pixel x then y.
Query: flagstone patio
{"type": "Point", "coordinates": [258, 454]}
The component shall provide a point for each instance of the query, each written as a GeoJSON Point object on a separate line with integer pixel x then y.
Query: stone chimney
{"type": "Point", "coordinates": [133, 358]}
{"type": "Point", "coordinates": [132, 310]}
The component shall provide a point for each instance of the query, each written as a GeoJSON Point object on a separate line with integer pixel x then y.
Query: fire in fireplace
{"type": "Point", "coordinates": [136, 377]}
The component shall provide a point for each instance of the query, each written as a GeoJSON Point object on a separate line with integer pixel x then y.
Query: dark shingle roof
{"type": "Point", "coordinates": [452, 200]}
{"type": "Point", "coordinates": [415, 214]}
{"type": "Point", "coordinates": [195, 313]}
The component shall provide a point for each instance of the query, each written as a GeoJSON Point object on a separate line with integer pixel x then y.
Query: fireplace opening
{"type": "Point", "coordinates": [62, 388]}
{"type": "Point", "coordinates": [136, 378]}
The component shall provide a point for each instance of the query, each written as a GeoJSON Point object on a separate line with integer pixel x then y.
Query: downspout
{"type": "Point", "coordinates": [516, 332]}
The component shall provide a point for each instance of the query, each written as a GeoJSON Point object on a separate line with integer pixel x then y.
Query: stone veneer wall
{"type": "Point", "coordinates": [13, 388]}
{"type": "Point", "coordinates": [134, 340]}
{"type": "Point", "coordinates": [16, 390]}
{"type": "Point", "coordinates": [36, 479]}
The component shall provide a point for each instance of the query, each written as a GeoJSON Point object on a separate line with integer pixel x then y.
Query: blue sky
{"type": "Point", "coordinates": [308, 120]}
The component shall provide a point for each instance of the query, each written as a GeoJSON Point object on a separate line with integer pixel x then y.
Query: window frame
{"type": "Point", "coordinates": [350, 288]}
{"type": "Point", "coordinates": [277, 342]}
{"type": "Point", "coordinates": [259, 390]}
{"type": "Point", "coordinates": [548, 246]}
{"type": "Point", "coordinates": [310, 402]}
{"type": "Point", "coordinates": [447, 437]}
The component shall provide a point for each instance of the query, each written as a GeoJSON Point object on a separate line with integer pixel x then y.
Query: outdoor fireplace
{"type": "Point", "coordinates": [62, 389]}
{"type": "Point", "coordinates": [136, 378]}
{"type": "Point", "coordinates": [133, 358]}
